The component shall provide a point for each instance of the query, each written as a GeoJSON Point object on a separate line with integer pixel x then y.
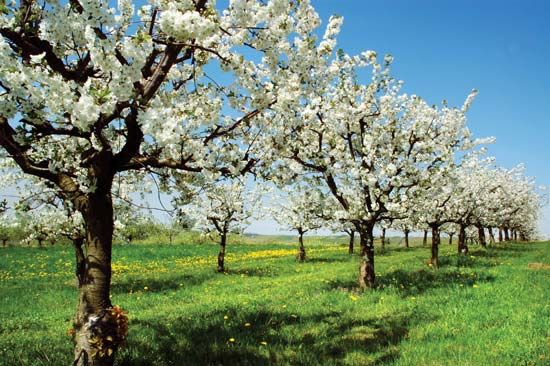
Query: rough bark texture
{"type": "Point", "coordinates": [462, 247]}
{"type": "Point", "coordinates": [221, 254]}
{"type": "Point", "coordinates": [425, 239]}
{"type": "Point", "coordinates": [366, 268]}
{"type": "Point", "coordinates": [481, 236]}
{"type": "Point", "coordinates": [96, 335]}
{"type": "Point", "coordinates": [436, 239]}
{"type": "Point", "coordinates": [406, 238]}
{"type": "Point", "coordinates": [301, 256]}
{"type": "Point", "coordinates": [351, 241]}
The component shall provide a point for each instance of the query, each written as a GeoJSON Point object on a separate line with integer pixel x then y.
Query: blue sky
{"type": "Point", "coordinates": [442, 49]}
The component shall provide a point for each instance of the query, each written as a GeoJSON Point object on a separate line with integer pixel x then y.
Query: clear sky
{"type": "Point", "coordinates": [443, 49]}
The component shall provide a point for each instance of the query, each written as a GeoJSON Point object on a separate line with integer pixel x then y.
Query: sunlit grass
{"type": "Point", "coordinates": [489, 308]}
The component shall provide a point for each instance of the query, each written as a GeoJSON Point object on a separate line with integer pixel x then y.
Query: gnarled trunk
{"type": "Point", "coordinates": [436, 239]}
{"type": "Point", "coordinates": [481, 236]}
{"type": "Point", "coordinates": [301, 256]}
{"type": "Point", "coordinates": [462, 247]}
{"type": "Point", "coordinates": [351, 234]}
{"type": "Point", "coordinates": [406, 238]}
{"type": "Point", "coordinates": [98, 331]}
{"type": "Point", "coordinates": [366, 268]}
{"type": "Point", "coordinates": [221, 254]}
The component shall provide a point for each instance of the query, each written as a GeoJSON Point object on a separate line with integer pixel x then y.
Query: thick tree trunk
{"type": "Point", "coordinates": [481, 236]}
{"type": "Point", "coordinates": [98, 329]}
{"type": "Point", "coordinates": [221, 254]}
{"type": "Point", "coordinates": [491, 236]}
{"type": "Point", "coordinates": [451, 239]}
{"type": "Point", "coordinates": [506, 234]}
{"type": "Point", "coordinates": [301, 256]}
{"type": "Point", "coordinates": [406, 238]}
{"type": "Point", "coordinates": [436, 239]}
{"type": "Point", "coordinates": [383, 239]}
{"type": "Point", "coordinates": [351, 234]}
{"type": "Point", "coordinates": [462, 247]}
{"type": "Point", "coordinates": [425, 239]}
{"type": "Point", "coordinates": [366, 268]}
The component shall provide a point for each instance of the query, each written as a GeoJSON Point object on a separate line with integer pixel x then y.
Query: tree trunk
{"type": "Point", "coordinates": [515, 235]}
{"type": "Point", "coordinates": [99, 329]}
{"type": "Point", "coordinates": [506, 234]}
{"type": "Point", "coordinates": [491, 236]}
{"type": "Point", "coordinates": [383, 239]}
{"type": "Point", "coordinates": [4, 242]}
{"type": "Point", "coordinates": [366, 268]}
{"type": "Point", "coordinates": [436, 239]}
{"type": "Point", "coordinates": [425, 240]}
{"type": "Point", "coordinates": [351, 234]}
{"type": "Point", "coordinates": [500, 235]}
{"type": "Point", "coordinates": [406, 238]}
{"type": "Point", "coordinates": [301, 256]}
{"type": "Point", "coordinates": [462, 247]}
{"type": "Point", "coordinates": [221, 254]}
{"type": "Point", "coordinates": [451, 239]}
{"type": "Point", "coordinates": [481, 236]}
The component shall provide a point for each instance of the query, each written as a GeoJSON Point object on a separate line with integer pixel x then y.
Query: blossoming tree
{"type": "Point", "coordinates": [88, 92]}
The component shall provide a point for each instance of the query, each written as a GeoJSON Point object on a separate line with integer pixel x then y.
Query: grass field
{"type": "Point", "coordinates": [489, 308]}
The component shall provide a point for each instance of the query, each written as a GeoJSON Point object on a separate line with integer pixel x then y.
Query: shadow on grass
{"type": "Point", "coordinates": [133, 284]}
{"type": "Point", "coordinates": [321, 339]}
{"type": "Point", "coordinates": [250, 272]}
{"type": "Point", "coordinates": [408, 283]}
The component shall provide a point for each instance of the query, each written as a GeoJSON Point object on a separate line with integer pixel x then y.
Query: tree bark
{"type": "Point", "coordinates": [436, 239]}
{"type": "Point", "coordinates": [481, 236]}
{"type": "Point", "coordinates": [500, 235]}
{"type": "Point", "coordinates": [451, 239]}
{"type": "Point", "coordinates": [406, 238]}
{"type": "Point", "coordinates": [366, 268]}
{"type": "Point", "coordinates": [515, 235]}
{"type": "Point", "coordinates": [462, 247]}
{"type": "Point", "coordinates": [506, 234]}
{"type": "Point", "coordinates": [301, 256]}
{"type": "Point", "coordinates": [97, 333]}
{"type": "Point", "coordinates": [491, 236]}
{"type": "Point", "coordinates": [221, 254]}
{"type": "Point", "coordinates": [383, 239]}
{"type": "Point", "coordinates": [425, 240]}
{"type": "Point", "coordinates": [351, 234]}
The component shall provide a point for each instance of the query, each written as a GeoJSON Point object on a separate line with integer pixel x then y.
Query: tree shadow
{"type": "Point", "coordinates": [250, 272]}
{"type": "Point", "coordinates": [134, 284]}
{"type": "Point", "coordinates": [408, 283]}
{"type": "Point", "coordinates": [267, 338]}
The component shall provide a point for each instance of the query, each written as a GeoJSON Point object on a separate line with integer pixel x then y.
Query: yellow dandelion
{"type": "Point", "coordinates": [225, 317]}
{"type": "Point", "coordinates": [146, 288]}
{"type": "Point", "coordinates": [247, 324]}
{"type": "Point", "coordinates": [263, 343]}
{"type": "Point", "coordinates": [474, 286]}
{"type": "Point", "coordinates": [232, 340]}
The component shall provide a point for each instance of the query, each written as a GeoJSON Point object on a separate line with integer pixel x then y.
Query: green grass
{"type": "Point", "coordinates": [484, 309]}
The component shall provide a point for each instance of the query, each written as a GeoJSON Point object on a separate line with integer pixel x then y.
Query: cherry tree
{"type": "Point", "coordinates": [89, 92]}
{"type": "Point", "coordinates": [300, 208]}
{"type": "Point", "coordinates": [368, 143]}
{"type": "Point", "coordinates": [222, 208]}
